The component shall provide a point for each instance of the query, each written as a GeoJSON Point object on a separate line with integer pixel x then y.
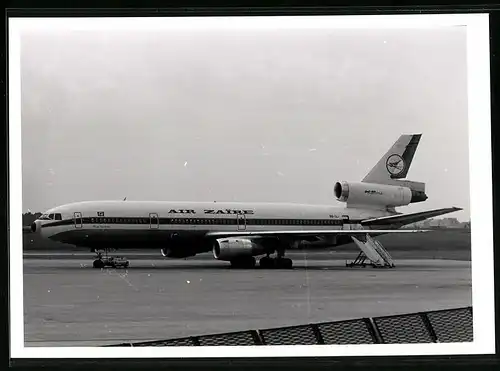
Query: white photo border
{"type": "Point", "coordinates": [480, 182]}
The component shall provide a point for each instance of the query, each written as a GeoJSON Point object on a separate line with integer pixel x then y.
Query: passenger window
{"type": "Point", "coordinates": [58, 216]}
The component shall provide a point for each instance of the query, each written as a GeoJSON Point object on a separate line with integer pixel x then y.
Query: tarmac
{"type": "Point", "coordinates": [69, 303]}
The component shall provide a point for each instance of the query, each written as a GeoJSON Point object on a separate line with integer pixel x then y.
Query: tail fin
{"type": "Point", "coordinates": [396, 162]}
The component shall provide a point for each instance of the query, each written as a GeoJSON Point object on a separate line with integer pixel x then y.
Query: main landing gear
{"type": "Point", "coordinates": [275, 263]}
{"type": "Point", "coordinates": [266, 262]}
{"type": "Point", "coordinates": [109, 261]}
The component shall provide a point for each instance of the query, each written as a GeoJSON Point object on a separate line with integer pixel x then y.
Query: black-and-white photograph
{"type": "Point", "coordinates": [201, 184]}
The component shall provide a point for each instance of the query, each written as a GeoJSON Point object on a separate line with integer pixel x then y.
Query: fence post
{"type": "Point", "coordinates": [257, 338]}
{"type": "Point", "coordinates": [317, 333]}
{"type": "Point", "coordinates": [374, 331]}
{"type": "Point", "coordinates": [195, 341]}
{"type": "Point", "coordinates": [429, 327]}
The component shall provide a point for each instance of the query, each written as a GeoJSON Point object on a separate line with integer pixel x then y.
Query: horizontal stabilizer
{"type": "Point", "coordinates": [404, 219]}
{"type": "Point", "coordinates": [356, 232]}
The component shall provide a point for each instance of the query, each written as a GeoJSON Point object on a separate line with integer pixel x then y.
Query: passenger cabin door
{"type": "Point", "coordinates": [241, 221]}
{"type": "Point", "coordinates": [154, 222]}
{"type": "Point", "coordinates": [346, 224]}
{"type": "Point", "coordinates": [77, 217]}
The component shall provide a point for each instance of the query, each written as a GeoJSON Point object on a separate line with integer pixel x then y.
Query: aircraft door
{"type": "Point", "coordinates": [346, 224]}
{"type": "Point", "coordinates": [77, 217]}
{"type": "Point", "coordinates": [241, 221]}
{"type": "Point", "coordinates": [154, 222]}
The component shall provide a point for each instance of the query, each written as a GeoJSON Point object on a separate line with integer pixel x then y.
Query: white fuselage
{"type": "Point", "coordinates": [143, 224]}
{"type": "Point", "coordinates": [236, 230]}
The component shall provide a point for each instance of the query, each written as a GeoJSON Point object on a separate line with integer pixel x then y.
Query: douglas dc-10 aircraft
{"type": "Point", "coordinates": [238, 232]}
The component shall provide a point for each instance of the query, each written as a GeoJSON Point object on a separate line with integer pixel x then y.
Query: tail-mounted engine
{"type": "Point", "coordinates": [359, 193]}
{"type": "Point", "coordinates": [231, 248]}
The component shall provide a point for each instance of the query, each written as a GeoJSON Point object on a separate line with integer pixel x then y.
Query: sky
{"type": "Point", "coordinates": [246, 115]}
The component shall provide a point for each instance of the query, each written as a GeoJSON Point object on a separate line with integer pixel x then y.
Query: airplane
{"type": "Point", "coordinates": [239, 232]}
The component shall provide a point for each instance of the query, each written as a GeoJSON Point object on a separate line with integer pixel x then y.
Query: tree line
{"type": "Point", "coordinates": [29, 218]}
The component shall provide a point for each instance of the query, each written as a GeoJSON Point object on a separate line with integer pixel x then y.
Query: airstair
{"type": "Point", "coordinates": [372, 250]}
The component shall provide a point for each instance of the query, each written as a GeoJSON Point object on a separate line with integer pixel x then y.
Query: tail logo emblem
{"type": "Point", "coordinates": [395, 164]}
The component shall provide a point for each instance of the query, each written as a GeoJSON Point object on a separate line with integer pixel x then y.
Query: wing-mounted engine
{"type": "Point", "coordinates": [231, 248]}
{"type": "Point", "coordinates": [370, 194]}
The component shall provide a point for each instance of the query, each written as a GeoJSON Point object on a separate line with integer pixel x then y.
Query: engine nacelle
{"type": "Point", "coordinates": [230, 248]}
{"type": "Point", "coordinates": [359, 193]}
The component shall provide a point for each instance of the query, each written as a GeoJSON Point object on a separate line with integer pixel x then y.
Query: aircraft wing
{"type": "Point", "coordinates": [345, 232]}
{"type": "Point", "coordinates": [403, 219]}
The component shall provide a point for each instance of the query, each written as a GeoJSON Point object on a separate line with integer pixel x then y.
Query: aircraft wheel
{"type": "Point", "coordinates": [98, 264]}
{"type": "Point", "coordinates": [287, 263]}
{"type": "Point", "coordinates": [266, 262]}
{"type": "Point", "coordinates": [243, 263]}
{"type": "Point", "coordinates": [283, 263]}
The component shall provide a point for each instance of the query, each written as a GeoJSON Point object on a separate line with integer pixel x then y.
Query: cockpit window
{"type": "Point", "coordinates": [53, 216]}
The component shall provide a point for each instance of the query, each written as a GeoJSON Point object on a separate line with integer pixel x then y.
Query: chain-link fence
{"type": "Point", "coordinates": [443, 326]}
